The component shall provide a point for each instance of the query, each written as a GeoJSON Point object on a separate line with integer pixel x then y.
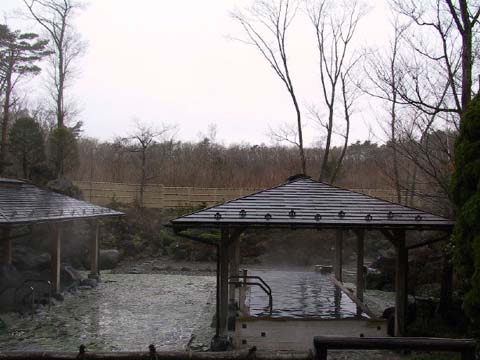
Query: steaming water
{"type": "Point", "coordinates": [300, 294]}
{"type": "Point", "coordinates": [125, 312]}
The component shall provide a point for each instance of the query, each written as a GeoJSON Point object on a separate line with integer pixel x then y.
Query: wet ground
{"type": "Point", "coordinates": [125, 312]}
{"type": "Point", "coordinates": [170, 304]}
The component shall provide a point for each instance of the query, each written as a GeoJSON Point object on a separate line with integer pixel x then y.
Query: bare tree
{"type": "Point", "coordinates": [334, 25]}
{"type": "Point", "coordinates": [347, 99]}
{"type": "Point", "coordinates": [55, 17]}
{"type": "Point", "coordinates": [141, 141]}
{"type": "Point", "coordinates": [438, 56]}
{"type": "Point", "coordinates": [383, 72]}
{"type": "Point", "coordinates": [427, 81]}
{"type": "Point", "coordinates": [266, 26]}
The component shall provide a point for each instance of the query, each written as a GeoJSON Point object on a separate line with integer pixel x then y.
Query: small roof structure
{"type": "Point", "coordinates": [303, 202]}
{"type": "Point", "coordinates": [23, 203]}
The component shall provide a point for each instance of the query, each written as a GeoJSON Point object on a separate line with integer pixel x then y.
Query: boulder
{"type": "Point", "coordinates": [89, 282]}
{"type": "Point", "coordinates": [324, 269]}
{"type": "Point", "coordinates": [109, 259]}
{"type": "Point", "coordinates": [3, 326]}
{"type": "Point", "coordinates": [375, 279]}
{"type": "Point", "coordinates": [71, 275]}
{"type": "Point", "coordinates": [25, 258]}
{"type": "Point", "coordinates": [9, 276]}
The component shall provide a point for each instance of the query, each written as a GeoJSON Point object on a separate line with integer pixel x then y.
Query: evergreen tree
{"type": "Point", "coordinates": [466, 195]}
{"type": "Point", "coordinates": [20, 54]}
{"type": "Point", "coordinates": [26, 144]}
{"type": "Point", "coordinates": [63, 150]}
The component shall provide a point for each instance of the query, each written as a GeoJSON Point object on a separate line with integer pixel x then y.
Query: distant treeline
{"type": "Point", "coordinates": [366, 165]}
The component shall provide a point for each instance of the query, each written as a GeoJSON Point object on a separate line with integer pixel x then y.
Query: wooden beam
{"type": "Point", "coordinates": [94, 250]}
{"type": "Point", "coordinates": [56, 257]}
{"type": "Point", "coordinates": [6, 246]}
{"type": "Point", "coordinates": [322, 343]}
{"type": "Point", "coordinates": [338, 255]}
{"type": "Point", "coordinates": [352, 297]}
{"type": "Point", "coordinates": [234, 255]}
{"type": "Point", "coordinates": [223, 298]}
{"type": "Point", "coordinates": [401, 284]}
{"type": "Point", "coordinates": [360, 259]}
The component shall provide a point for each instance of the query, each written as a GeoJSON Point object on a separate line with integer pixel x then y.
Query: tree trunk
{"type": "Point", "coordinates": [61, 82]}
{"type": "Point", "coordinates": [303, 161]}
{"type": "Point", "coordinates": [326, 154]}
{"type": "Point", "coordinates": [347, 132]}
{"type": "Point", "coordinates": [6, 119]}
{"type": "Point", "coordinates": [143, 179]}
{"type": "Point", "coordinates": [466, 55]}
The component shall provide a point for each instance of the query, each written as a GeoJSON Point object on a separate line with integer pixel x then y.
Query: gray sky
{"type": "Point", "coordinates": [175, 62]}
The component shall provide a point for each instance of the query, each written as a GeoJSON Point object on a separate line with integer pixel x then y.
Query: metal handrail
{"type": "Point", "coordinates": [266, 289]}
{"type": "Point", "coordinates": [253, 277]}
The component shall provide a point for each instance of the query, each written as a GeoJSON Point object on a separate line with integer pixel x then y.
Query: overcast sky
{"type": "Point", "coordinates": [175, 62]}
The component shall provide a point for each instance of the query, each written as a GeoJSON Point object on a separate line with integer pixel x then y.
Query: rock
{"type": "Point", "coordinates": [375, 279]}
{"type": "Point", "coordinates": [25, 258]}
{"type": "Point", "coordinates": [324, 269]}
{"type": "Point", "coordinates": [429, 290]}
{"type": "Point", "coordinates": [58, 297]}
{"type": "Point", "coordinates": [71, 275]}
{"type": "Point", "coordinates": [185, 268]}
{"type": "Point", "coordinates": [9, 276]}
{"type": "Point", "coordinates": [180, 253]}
{"type": "Point", "coordinates": [219, 343]}
{"type": "Point", "coordinates": [84, 287]}
{"type": "Point", "coordinates": [89, 282]}
{"type": "Point", "coordinates": [109, 259]}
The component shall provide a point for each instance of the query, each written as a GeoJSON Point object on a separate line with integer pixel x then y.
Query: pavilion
{"type": "Point", "coordinates": [23, 204]}
{"type": "Point", "coordinates": [304, 203]}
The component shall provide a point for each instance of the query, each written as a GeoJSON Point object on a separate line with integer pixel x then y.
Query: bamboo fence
{"type": "Point", "coordinates": [160, 196]}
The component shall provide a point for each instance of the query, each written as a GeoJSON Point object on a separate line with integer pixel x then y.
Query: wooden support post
{"type": "Point", "coordinates": [6, 247]}
{"type": "Point", "coordinates": [401, 284]}
{"type": "Point", "coordinates": [223, 298]}
{"type": "Point", "coordinates": [94, 250]}
{"type": "Point", "coordinates": [234, 255]}
{"type": "Point", "coordinates": [360, 257]}
{"type": "Point", "coordinates": [338, 255]}
{"type": "Point", "coordinates": [56, 257]}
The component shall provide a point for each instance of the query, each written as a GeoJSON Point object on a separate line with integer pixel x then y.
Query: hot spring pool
{"type": "Point", "coordinates": [300, 294]}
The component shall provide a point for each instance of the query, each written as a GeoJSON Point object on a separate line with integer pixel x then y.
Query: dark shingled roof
{"type": "Point", "coordinates": [23, 203]}
{"type": "Point", "coordinates": [303, 202]}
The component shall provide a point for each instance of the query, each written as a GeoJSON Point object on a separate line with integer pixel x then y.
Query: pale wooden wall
{"type": "Point", "coordinates": [159, 196]}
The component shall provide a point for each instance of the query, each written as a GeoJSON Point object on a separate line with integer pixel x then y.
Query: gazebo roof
{"type": "Point", "coordinates": [303, 202]}
{"type": "Point", "coordinates": [23, 203]}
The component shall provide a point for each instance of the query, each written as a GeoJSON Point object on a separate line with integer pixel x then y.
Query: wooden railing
{"type": "Point", "coordinates": [160, 196]}
{"type": "Point", "coordinates": [466, 347]}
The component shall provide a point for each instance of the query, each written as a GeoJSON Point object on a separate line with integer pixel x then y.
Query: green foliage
{"type": "Point", "coordinates": [63, 150]}
{"type": "Point", "coordinates": [20, 52]}
{"type": "Point", "coordinates": [466, 195]}
{"type": "Point", "coordinates": [26, 144]}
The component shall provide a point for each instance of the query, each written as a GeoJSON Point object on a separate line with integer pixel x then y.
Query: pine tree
{"type": "Point", "coordinates": [466, 196]}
